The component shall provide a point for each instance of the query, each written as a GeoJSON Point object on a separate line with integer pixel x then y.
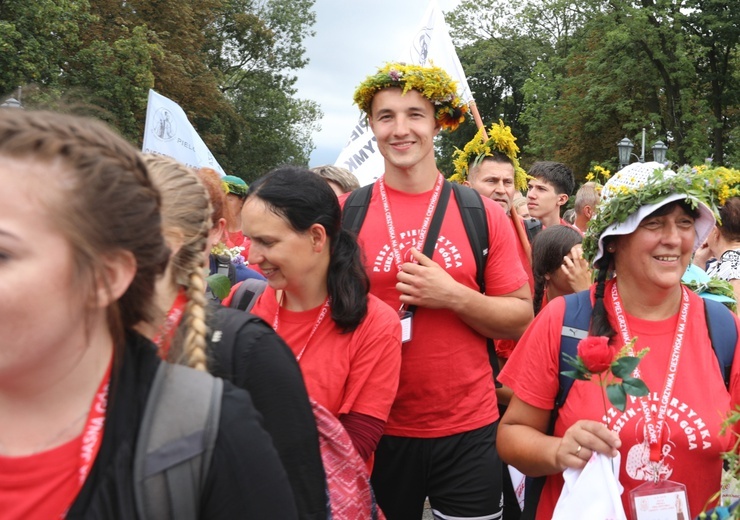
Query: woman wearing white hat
{"type": "Point", "coordinates": [649, 223]}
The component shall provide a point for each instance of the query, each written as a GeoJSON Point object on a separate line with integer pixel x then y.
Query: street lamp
{"type": "Point", "coordinates": [625, 147]}
{"type": "Point", "coordinates": [659, 151]}
{"type": "Point", "coordinates": [11, 102]}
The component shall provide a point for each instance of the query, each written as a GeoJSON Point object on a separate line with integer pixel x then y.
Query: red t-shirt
{"type": "Point", "coordinates": [504, 347]}
{"type": "Point", "coordinates": [40, 486]}
{"type": "Point", "coordinates": [237, 239]}
{"type": "Point", "coordinates": [446, 382]}
{"type": "Point", "coordinates": [357, 371]}
{"type": "Point", "coordinates": [692, 444]}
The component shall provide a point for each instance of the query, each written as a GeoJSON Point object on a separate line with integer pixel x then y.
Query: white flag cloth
{"type": "Point", "coordinates": [167, 131]}
{"type": "Point", "coordinates": [431, 45]}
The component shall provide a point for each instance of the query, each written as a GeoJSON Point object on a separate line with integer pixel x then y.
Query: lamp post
{"type": "Point", "coordinates": [625, 146]}
{"type": "Point", "coordinates": [659, 151]}
{"type": "Point", "coordinates": [12, 102]}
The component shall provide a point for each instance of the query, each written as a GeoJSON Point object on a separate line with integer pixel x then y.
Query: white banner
{"type": "Point", "coordinates": [167, 131]}
{"type": "Point", "coordinates": [431, 45]}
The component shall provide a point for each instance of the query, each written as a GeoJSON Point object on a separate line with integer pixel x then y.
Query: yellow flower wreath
{"type": "Point", "coordinates": [500, 140]}
{"type": "Point", "coordinates": [432, 82]}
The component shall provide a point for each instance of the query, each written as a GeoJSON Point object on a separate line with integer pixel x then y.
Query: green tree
{"type": "Point", "coordinates": [228, 63]}
{"type": "Point", "coordinates": [258, 44]}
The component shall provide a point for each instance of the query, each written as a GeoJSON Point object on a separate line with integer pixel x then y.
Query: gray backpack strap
{"type": "Point", "coordinates": [175, 443]}
{"type": "Point", "coordinates": [247, 293]}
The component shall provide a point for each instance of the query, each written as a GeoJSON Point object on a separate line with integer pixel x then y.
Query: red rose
{"type": "Point", "coordinates": [595, 353]}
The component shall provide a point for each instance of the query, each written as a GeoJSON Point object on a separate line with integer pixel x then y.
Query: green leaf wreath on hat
{"type": "Point", "coordinates": [620, 200]}
{"type": "Point", "coordinates": [500, 140]}
{"type": "Point", "coordinates": [431, 82]}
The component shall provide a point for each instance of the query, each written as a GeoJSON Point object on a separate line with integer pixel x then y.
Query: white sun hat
{"type": "Point", "coordinates": [620, 210]}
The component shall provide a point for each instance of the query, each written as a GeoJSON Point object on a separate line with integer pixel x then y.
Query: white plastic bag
{"type": "Point", "coordinates": [592, 492]}
{"type": "Point", "coordinates": [518, 481]}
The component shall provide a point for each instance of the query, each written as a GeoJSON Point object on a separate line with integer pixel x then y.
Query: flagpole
{"type": "Point", "coordinates": [477, 118]}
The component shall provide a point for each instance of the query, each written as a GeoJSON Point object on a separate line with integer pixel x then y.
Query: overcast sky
{"type": "Point", "coordinates": [353, 38]}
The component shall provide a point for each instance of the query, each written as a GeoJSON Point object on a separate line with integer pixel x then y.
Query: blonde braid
{"type": "Point", "coordinates": [195, 344]}
{"type": "Point", "coordinates": [186, 212]}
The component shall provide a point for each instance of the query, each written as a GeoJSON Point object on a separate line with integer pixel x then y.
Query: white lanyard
{"type": "Point", "coordinates": [322, 314]}
{"type": "Point", "coordinates": [424, 227]}
{"type": "Point", "coordinates": [655, 425]}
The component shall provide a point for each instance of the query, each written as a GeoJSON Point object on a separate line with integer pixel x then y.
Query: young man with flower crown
{"type": "Point", "coordinates": [439, 440]}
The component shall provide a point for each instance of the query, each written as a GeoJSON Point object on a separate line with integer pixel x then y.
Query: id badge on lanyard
{"type": "Point", "coordinates": [406, 321]}
{"type": "Point", "coordinates": [660, 500]}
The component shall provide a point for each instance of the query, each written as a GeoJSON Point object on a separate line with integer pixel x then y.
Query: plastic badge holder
{"type": "Point", "coordinates": [406, 317]}
{"type": "Point", "coordinates": [662, 500]}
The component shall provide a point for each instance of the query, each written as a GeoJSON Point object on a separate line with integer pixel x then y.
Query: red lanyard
{"type": "Point", "coordinates": [322, 314]}
{"type": "Point", "coordinates": [654, 425]}
{"type": "Point", "coordinates": [163, 338]}
{"type": "Point", "coordinates": [93, 432]}
{"type": "Point", "coordinates": [425, 225]}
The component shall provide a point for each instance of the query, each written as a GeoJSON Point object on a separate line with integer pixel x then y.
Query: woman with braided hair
{"type": "Point", "coordinates": [258, 360]}
{"type": "Point", "coordinates": [648, 224]}
{"type": "Point", "coordinates": [75, 376]}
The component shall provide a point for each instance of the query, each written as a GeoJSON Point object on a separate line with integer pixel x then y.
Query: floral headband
{"type": "Point", "coordinates": [500, 140]}
{"type": "Point", "coordinates": [634, 190]}
{"type": "Point", "coordinates": [431, 82]}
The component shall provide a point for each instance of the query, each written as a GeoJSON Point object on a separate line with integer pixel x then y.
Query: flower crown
{"type": "Point", "coordinates": [432, 82]}
{"type": "Point", "coordinates": [711, 186]}
{"type": "Point", "coordinates": [501, 140]}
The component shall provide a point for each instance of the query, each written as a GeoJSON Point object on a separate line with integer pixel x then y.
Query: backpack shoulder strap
{"type": "Point", "coordinates": [247, 293]}
{"type": "Point", "coordinates": [575, 327]}
{"type": "Point", "coordinates": [355, 208]}
{"type": "Point", "coordinates": [175, 443]}
{"type": "Point", "coordinates": [474, 218]}
{"type": "Point", "coordinates": [225, 325]}
{"type": "Point", "coordinates": [723, 335]}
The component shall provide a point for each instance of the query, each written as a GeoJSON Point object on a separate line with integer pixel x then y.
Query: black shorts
{"type": "Point", "coordinates": [461, 474]}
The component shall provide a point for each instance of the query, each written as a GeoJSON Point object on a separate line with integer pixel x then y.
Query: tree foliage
{"type": "Point", "coordinates": [573, 78]}
{"type": "Point", "coordinates": [227, 63]}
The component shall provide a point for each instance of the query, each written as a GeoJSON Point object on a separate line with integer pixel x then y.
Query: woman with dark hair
{"type": "Point", "coordinates": [648, 225]}
{"type": "Point", "coordinates": [347, 342]}
{"type": "Point", "coordinates": [558, 265]}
